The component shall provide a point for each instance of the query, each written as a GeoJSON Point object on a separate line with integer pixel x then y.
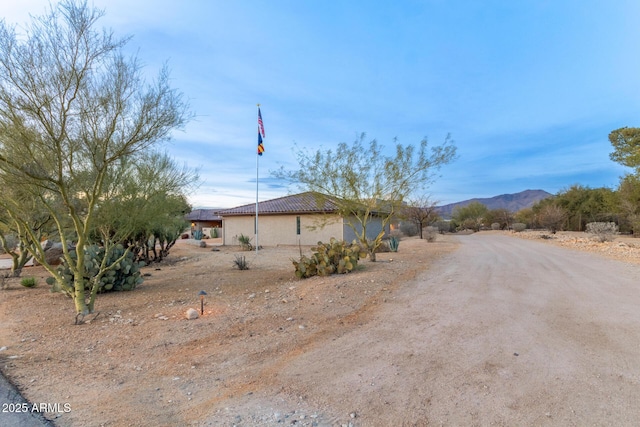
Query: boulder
{"type": "Point", "coordinates": [52, 255]}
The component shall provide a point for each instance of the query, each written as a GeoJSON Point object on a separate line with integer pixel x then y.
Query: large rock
{"type": "Point", "coordinates": [192, 314]}
{"type": "Point", "coordinates": [53, 255]}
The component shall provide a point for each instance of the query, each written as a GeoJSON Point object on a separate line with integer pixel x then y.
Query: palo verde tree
{"type": "Point", "coordinates": [367, 184]}
{"type": "Point", "coordinates": [582, 205]}
{"type": "Point", "coordinates": [629, 198]}
{"type": "Point", "coordinates": [146, 208]}
{"type": "Point", "coordinates": [471, 216]}
{"type": "Point", "coordinates": [626, 145]}
{"type": "Point", "coordinates": [501, 216]}
{"type": "Point", "coordinates": [31, 215]}
{"type": "Point", "coordinates": [72, 108]}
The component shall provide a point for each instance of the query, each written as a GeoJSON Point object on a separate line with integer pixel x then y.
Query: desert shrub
{"type": "Point", "coordinates": [328, 258]}
{"type": "Point", "coordinates": [443, 226]}
{"type": "Point", "coordinates": [552, 217]}
{"type": "Point", "coordinates": [430, 233]}
{"type": "Point", "coordinates": [3, 280]}
{"type": "Point", "coordinates": [244, 242]}
{"type": "Point", "coordinates": [29, 282]}
{"type": "Point", "coordinates": [495, 226]}
{"type": "Point", "coordinates": [602, 231]}
{"type": "Point", "coordinates": [197, 234]}
{"type": "Point", "coordinates": [382, 247]}
{"type": "Point", "coordinates": [518, 227]}
{"type": "Point", "coordinates": [214, 233]}
{"type": "Point", "coordinates": [241, 262]}
{"type": "Point", "coordinates": [409, 229]}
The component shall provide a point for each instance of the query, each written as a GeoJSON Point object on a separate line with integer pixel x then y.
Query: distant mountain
{"type": "Point", "coordinates": [512, 202]}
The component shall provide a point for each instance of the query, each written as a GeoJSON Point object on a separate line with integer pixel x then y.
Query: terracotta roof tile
{"type": "Point", "coordinates": [298, 203]}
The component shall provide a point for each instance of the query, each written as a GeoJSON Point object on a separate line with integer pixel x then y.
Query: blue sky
{"type": "Point", "coordinates": [529, 90]}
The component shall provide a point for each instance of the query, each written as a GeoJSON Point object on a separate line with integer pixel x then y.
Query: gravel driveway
{"type": "Point", "coordinates": [503, 331]}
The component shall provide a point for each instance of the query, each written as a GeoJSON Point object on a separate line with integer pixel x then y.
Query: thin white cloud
{"type": "Point", "coordinates": [529, 90]}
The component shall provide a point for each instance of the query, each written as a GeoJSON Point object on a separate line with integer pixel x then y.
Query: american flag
{"type": "Point", "coordinates": [260, 124]}
{"type": "Point", "coordinates": [260, 133]}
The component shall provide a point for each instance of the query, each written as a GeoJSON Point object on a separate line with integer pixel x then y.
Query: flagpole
{"type": "Point", "coordinates": [257, 186]}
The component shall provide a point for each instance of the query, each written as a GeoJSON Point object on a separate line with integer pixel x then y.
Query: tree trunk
{"type": "Point", "coordinates": [79, 295]}
{"type": "Point", "coordinates": [77, 268]}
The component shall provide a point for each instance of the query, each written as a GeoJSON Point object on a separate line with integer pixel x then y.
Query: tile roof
{"type": "Point", "coordinates": [204, 215]}
{"type": "Point", "coordinates": [298, 203]}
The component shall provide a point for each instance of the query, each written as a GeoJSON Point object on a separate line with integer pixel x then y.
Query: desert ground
{"type": "Point", "coordinates": [492, 328]}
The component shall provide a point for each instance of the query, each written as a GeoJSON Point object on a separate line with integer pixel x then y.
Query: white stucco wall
{"type": "Point", "coordinates": [281, 229]}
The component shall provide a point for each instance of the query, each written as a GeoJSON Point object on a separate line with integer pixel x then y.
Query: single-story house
{"type": "Point", "coordinates": [299, 219]}
{"type": "Point", "coordinates": [204, 220]}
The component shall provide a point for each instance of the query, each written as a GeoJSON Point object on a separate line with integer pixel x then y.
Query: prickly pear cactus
{"type": "Point", "coordinates": [123, 276]}
{"type": "Point", "coordinates": [328, 258]}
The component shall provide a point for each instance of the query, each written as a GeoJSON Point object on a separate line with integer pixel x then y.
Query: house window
{"type": "Point", "coordinates": [298, 225]}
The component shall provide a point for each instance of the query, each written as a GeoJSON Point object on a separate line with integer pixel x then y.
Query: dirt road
{"type": "Point", "coordinates": [502, 332]}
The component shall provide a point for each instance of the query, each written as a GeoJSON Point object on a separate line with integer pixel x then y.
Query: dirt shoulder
{"type": "Point", "coordinates": [622, 247]}
{"type": "Point", "coordinates": [140, 362]}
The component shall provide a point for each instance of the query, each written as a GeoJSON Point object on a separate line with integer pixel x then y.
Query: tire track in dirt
{"type": "Point", "coordinates": [502, 331]}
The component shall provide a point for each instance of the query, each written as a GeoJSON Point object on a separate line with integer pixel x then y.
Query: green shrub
{"type": "Point", "coordinates": [29, 282]}
{"type": "Point", "coordinates": [245, 242]}
{"type": "Point", "coordinates": [329, 258]}
{"type": "Point", "coordinates": [495, 226]}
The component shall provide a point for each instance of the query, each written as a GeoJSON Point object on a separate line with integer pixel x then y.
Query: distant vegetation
{"type": "Point", "coordinates": [606, 211]}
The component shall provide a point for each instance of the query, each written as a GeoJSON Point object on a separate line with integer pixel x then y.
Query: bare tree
{"type": "Point", "coordinates": [552, 217]}
{"type": "Point", "coordinates": [420, 211]}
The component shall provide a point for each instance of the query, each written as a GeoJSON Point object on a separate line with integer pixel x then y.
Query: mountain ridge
{"type": "Point", "coordinates": [512, 202]}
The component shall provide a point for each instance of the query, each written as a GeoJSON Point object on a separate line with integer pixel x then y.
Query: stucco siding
{"type": "Point", "coordinates": [309, 236]}
{"type": "Point", "coordinates": [235, 226]}
{"type": "Point", "coordinates": [282, 229]}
